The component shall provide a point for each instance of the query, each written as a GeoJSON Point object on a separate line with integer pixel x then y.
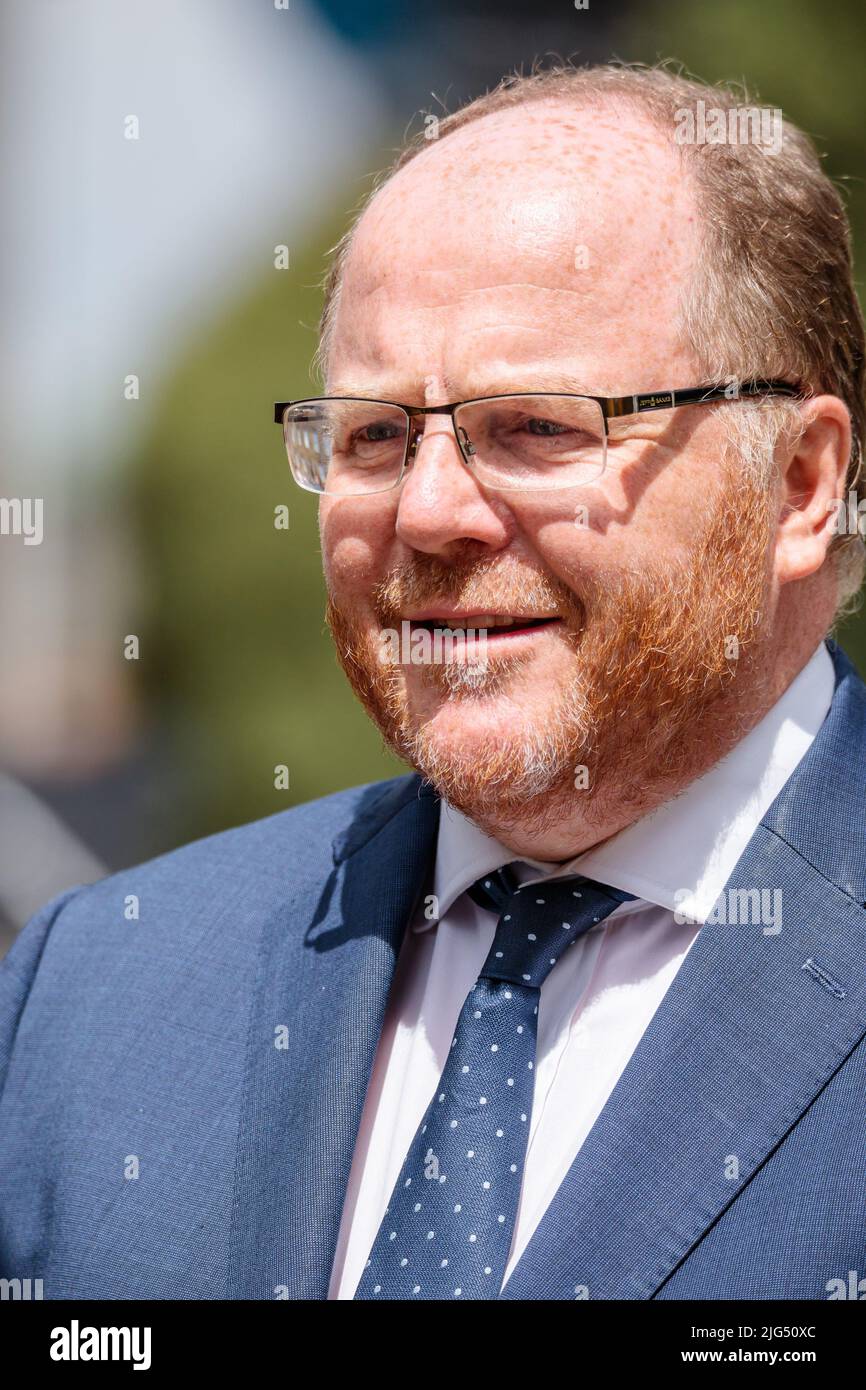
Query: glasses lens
{"type": "Point", "coordinates": [344, 446]}
{"type": "Point", "coordinates": [525, 442]}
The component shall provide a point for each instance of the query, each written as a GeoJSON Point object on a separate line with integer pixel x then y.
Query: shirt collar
{"type": "Point", "coordinates": [681, 855]}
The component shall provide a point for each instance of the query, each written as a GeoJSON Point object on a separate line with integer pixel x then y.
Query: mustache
{"type": "Point", "coordinates": [490, 585]}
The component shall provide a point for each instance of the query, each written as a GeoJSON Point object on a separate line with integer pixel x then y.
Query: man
{"type": "Point", "coordinates": [338, 1054]}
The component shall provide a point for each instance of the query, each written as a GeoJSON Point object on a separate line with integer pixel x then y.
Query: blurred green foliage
{"type": "Point", "coordinates": [239, 666]}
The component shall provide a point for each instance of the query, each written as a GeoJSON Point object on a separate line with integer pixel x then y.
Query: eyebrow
{"type": "Point", "coordinates": [529, 380]}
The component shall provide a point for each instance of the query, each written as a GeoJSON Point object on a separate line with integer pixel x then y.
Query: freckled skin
{"type": "Point", "coordinates": [462, 280]}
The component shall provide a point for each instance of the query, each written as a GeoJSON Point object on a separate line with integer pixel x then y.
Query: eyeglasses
{"type": "Point", "coordinates": [350, 446]}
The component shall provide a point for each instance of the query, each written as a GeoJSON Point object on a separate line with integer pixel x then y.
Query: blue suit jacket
{"type": "Point", "coordinates": [729, 1161]}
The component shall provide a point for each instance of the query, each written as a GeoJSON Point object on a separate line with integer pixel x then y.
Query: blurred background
{"type": "Point", "coordinates": [164, 646]}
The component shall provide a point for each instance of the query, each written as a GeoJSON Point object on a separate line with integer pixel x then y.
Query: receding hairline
{"type": "Point", "coordinates": [644, 115]}
{"type": "Point", "coordinates": [556, 107]}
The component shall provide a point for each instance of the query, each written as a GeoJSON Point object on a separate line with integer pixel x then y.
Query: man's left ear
{"type": "Point", "coordinates": [812, 481]}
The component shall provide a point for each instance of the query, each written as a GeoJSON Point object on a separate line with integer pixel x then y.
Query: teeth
{"type": "Point", "coordinates": [480, 620]}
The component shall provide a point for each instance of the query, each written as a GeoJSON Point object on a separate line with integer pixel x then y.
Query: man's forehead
{"type": "Point", "coordinates": [574, 230]}
{"type": "Point", "coordinates": [531, 172]}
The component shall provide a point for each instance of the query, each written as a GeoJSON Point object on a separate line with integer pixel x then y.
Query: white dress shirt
{"type": "Point", "coordinates": [596, 1003]}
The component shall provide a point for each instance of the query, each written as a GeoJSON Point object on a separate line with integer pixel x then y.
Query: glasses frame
{"type": "Point", "coordinates": [612, 408]}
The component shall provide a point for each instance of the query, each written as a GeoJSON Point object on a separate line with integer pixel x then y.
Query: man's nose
{"type": "Point", "coordinates": [440, 500]}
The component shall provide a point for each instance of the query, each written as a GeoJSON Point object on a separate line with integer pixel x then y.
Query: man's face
{"type": "Point", "coordinates": [540, 251]}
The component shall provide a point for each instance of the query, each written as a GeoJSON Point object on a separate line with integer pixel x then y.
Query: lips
{"type": "Point", "coordinates": [494, 624]}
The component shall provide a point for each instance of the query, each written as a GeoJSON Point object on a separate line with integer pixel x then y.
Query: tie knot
{"type": "Point", "coordinates": [538, 921]}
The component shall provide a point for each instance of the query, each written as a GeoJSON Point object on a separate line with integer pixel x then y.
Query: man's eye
{"type": "Point", "coordinates": [378, 432]}
{"type": "Point", "coordinates": [543, 428]}
{"type": "Point", "coordinates": [573, 432]}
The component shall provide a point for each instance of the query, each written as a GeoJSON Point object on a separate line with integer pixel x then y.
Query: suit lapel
{"type": "Point", "coordinates": [325, 971]}
{"type": "Point", "coordinates": [753, 1025]}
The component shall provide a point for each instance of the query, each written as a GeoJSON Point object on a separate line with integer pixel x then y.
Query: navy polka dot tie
{"type": "Point", "coordinates": [448, 1227]}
